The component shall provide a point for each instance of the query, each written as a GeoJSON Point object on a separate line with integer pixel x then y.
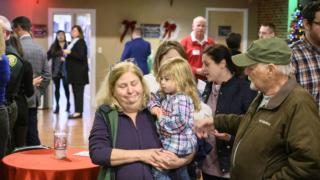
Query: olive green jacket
{"type": "Point", "coordinates": [278, 141]}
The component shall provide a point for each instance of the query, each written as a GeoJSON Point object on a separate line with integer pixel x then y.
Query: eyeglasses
{"type": "Point", "coordinates": [316, 23]}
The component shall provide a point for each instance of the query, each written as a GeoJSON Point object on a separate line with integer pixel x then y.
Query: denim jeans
{"type": "Point", "coordinates": [175, 174]}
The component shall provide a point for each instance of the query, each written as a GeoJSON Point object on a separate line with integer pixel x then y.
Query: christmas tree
{"type": "Point", "coordinates": [296, 31]}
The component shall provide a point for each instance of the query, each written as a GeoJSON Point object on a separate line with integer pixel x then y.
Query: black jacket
{"type": "Point", "coordinates": [16, 73]}
{"type": "Point", "coordinates": [77, 64]}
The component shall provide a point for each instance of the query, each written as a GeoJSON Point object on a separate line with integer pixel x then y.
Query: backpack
{"type": "Point", "coordinates": [110, 116]}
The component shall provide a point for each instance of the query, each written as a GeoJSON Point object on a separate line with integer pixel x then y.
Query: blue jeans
{"type": "Point", "coordinates": [175, 174]}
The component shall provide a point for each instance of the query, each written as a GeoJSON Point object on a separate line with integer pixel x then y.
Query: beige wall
{"type": "Point", "coordinates": [222, 18]}
{"type": "Point", "coordinates": [110, 13]}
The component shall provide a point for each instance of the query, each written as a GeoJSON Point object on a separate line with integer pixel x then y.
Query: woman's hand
{"type": "Point", "coordinates": [222, 136]}
{"type": "Point", "coordinates": [149, 156]}
{"type": "Point", "coordinates": [121, 156]}
{"type": "Point", "coordinates": [168, 160]}
{"type": "Point", "coordinates": [66, 51]}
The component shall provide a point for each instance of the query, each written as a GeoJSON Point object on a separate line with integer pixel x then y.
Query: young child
{"type": "Point", "coordinates": [174, 106]}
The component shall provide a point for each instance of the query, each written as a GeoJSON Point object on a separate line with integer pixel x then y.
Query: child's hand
{"type": "Point", "coordinates": [156, 111]}
{"type": "Point", "coordinates": [222, 136]}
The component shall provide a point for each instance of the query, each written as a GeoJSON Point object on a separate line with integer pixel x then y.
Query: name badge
{"type": "Point", "coordinates": [196, 52]}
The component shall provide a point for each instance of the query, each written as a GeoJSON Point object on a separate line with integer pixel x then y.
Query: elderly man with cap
{"type": "Point", "coordinates": [278, 137]}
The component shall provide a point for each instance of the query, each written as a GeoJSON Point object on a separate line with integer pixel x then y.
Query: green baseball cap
{"type": "Point", "coordinates": [270, 50]}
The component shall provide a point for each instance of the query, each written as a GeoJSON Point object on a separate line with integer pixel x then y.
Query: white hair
{"type": "Point", "coordinates": [198, 18]}
{"type": "Point", "coordinates": [5, 23]}
{"type": "Point", "coordinates": [285, 69]}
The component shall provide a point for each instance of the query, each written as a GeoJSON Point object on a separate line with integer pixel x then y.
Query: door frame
{"type": "Point", "coordinates": [92, 68]}
{"type": "Point", "coordinates": [245, 22]}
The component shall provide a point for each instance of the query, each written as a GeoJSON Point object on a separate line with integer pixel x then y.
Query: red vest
{"type": "Point", "coordinates": [194, 52]}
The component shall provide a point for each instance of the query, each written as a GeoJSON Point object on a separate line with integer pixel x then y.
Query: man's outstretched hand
{"type": "Point", "coordinates": [203, 127]}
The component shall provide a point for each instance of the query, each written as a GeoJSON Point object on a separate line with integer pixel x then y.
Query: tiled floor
{"type": "Point", "coordinates": [78, 129]}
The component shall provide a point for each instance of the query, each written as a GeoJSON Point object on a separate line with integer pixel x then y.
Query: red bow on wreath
{"type": "Point", "coordinates": [127, 24]}
{"type": "Point", "coordinates": [168, 29]}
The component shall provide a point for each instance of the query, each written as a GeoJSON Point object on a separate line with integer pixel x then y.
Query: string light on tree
{"type": "Point", "coordinates": [296, 32]}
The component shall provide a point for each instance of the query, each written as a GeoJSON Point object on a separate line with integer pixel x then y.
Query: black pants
{"type": "Point", "coordinates": [56, 81]}
{"type": "Point", "coordinates": [4, 130]}
{"type": "Point", "coordinates": [78, 90]}
{"type": "Point", "coordinates": [12, 113]}
{"type": "Point", "coordinates": [32, 133]}
{"type": "Point", "coordinates": [21, 125]}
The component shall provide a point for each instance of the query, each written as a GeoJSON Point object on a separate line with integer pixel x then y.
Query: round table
{"type": "Point", "coordinates": [42, 165]}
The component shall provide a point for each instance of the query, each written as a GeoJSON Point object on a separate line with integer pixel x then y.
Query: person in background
{"type": "Point", "coordinates": [18, 88]}
{"type": "Point", "coordinates": [166, 50]}
{"type": "Point", "coordinates": [278, 136]}
{"type": "Point", "coordinates": [267, 30]}
{"type": "Point", "coordinates": [174, 106]}
{"type": "Point", "coordinates": [77, 69]}
{"type": "Point", "coordinates": [55, 53]}
{"type": "Point", "coordinates": [306, 53]}
{"type": "Point", "coordinates": [225, 93]}
{"type": "Point", "coordinates": [137, 145]}
{"type": "Point", "coordinates": [26, 90]}
{"type": "Point", "coordinates": [36, 55]}
{"type": "Point", "coordinates": [233, 41]}
{"type": "Point", "coordinates": [13, 85]}
{"type": "Point", "coordinates": [4, 78]}
{"type": "Point", "coordinates": [138, 49]}
{"type": "Point", "coordinates": [195, 43]}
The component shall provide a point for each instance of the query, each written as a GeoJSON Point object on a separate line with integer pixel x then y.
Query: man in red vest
{"type": "Point", "coordinates": [195, 43]}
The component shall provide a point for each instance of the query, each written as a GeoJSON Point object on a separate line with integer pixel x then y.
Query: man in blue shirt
{"type": "Point", "coordinates": [138, 49]}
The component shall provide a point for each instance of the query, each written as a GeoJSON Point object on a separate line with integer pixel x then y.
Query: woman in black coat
{"type": "Point", "coordinates": [77, 68]}
{"type": "Point", "coordinates": [225, 93]}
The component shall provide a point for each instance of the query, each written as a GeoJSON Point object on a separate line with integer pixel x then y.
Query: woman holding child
{"type": "Point", "coordinates": [136, 147]}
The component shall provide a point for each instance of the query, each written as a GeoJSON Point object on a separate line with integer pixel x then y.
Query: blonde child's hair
{"type": "Point", "coordinates": [181, 73]}
{"type": "Point", "coordinates": [105, 94]}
